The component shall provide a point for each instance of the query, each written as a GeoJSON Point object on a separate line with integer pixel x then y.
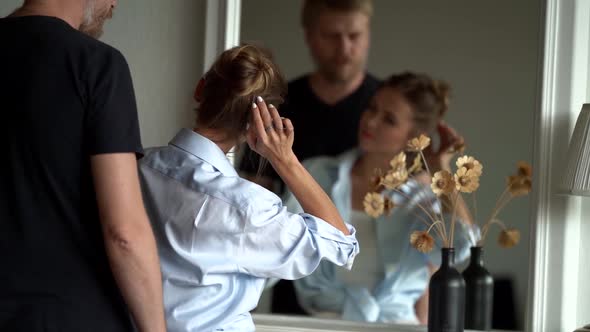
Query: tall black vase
{"type": "Point", "coordinates": [446, 302]}
{"type": "Point", "coordinates": [479, 293]}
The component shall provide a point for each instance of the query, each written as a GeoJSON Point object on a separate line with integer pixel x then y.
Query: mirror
{"type": "Point", "coordinates": [487, 51]}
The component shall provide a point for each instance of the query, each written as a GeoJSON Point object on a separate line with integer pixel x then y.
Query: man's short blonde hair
{"type": "Point", "coordinates": [313, 8]}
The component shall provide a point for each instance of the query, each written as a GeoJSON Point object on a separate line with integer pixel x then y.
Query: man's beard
{"type": "Point", "coordinates": [339, 75]}
{"type": "Point", "coordinates": [94, 19]}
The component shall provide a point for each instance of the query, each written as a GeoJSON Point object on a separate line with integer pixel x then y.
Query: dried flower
{"type": "Point", "coordinates": [388, 206]}
{"type": "Point", "coordinates": [442, 183]}
{"type": "Point", "coordinates": [508, 238]}
{"type": "Point", "coordinates": [519, 185]}
{"type": "Point", "coordinates": [419, 143]}
{"type": "Point", "coordinates": [422, 241]}
{"type": "Point", "coordinates": [393, 180]}
{"type": "Point", "coordinates": [466, 181]}
{"type": "Point", "coordinates": [524, 169]}
{"type": "Point", "coordinates": [375, 181]}
{"type": "Point", "coordinates": [416, 165]}
{"type": "Point", "coordinates": [470, 163]}
{"type": "Point", "coordinates": [374, 204]}
{"type": "Point", "coordinates": [398, 162]}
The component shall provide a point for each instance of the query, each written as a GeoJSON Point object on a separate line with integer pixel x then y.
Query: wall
{"type": "Point", "coordinates": [7, 6]}
{"type": "Point", "coordinates": [488, 51]}
{"type": "Point", "coordinates": [163, 44]}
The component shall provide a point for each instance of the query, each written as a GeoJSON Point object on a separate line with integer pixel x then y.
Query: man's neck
{"type": "Point", "coordinates": [71, 12]}
{"type": "Point", "coordinates": [331, 92]}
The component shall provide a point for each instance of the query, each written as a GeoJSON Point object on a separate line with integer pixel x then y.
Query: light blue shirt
{"type": "Point", "coordinates": [220, 236]}
{"type": "Point", "coordinates": [405, 269]}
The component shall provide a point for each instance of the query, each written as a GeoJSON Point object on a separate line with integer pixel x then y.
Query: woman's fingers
{"type": "Point", "coordinates": [270, 135]}
{"type": "Point", "coordinates": [265, 115]}
{"type": "Point", "coordinates": [288, 130]}
{"type": "Point", "coordinates": [277, 122]}
{"type": "Point", "coordinates": [287, 126]}
{"type": "Point", "coordinates": [258, 121]}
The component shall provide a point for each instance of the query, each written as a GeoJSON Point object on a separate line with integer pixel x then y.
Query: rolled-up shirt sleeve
{"type": "Point", "coordinates": [279, 244]}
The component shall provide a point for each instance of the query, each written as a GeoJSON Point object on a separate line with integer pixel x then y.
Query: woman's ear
{"type": "Point", "coordinates": [199, 90]}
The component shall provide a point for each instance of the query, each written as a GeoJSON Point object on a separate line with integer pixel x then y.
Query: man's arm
{"type": "Point", "coordinates": [128, 237]}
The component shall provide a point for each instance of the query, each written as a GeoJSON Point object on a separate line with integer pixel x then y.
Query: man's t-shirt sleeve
{"type": "Point", "coordinates": [112, 124]}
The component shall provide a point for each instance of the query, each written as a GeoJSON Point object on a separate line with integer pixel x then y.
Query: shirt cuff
{"type": "Point", "coordinates": [329, 232]}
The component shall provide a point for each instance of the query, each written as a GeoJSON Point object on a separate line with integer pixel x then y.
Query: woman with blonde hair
{"type": "Point", "coordinates": [390, 277]}
{"type": "Point", "coordinates": [220, 236]}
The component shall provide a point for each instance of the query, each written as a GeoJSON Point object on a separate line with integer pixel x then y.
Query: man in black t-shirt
{"type": "Point", "coordinates": [325, 105]}
{"type": "Point", "coordinates": [75, 242]}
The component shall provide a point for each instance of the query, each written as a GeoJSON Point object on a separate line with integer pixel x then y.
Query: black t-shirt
{"type": "Point", "coordinates": [320, 129]}
{"type": "Point", "coordinates": [63, 97]}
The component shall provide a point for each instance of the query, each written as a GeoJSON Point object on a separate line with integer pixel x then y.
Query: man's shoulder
{"type": "Point", "coordinates": [99, 50]}
{"type": "Point", "coordinates": [78, 40]}
{"type": "Point", "coordinates": [88, 48]}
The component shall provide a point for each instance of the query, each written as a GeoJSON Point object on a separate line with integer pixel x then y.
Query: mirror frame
{"type": "Point", "coordinates": [554, 303]}
{"type": "Point", "coordinates": [564, 32]}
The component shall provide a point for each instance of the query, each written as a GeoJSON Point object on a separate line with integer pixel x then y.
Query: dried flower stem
{"type": "Point", "coordinates": [474, 216]}
{"type": "Point", "coordinates": [433, 224]}
{"type": "Point", "coordinates": [453, 215]}
{"type": "Point", "coordinates": [442, 231]}
{"type": "Point", "coordinates": [486, 228]}
{"type": "Point", "coordinates": [446, 205]}
{"type": "Point", "coordinates": [425, 163]}
{"type": "Point", "coordinates": [438, 230]}
{"type": "Point", "coordinates": [432, 218]}
{"type": "Point", "coordinates": [499, 201]}
{"type": "Point", "coordinates": [504, 198]}
{"type": "Point", "coordinates": [437, 198]}
{"type": "Point", "coordinates": [503, 204]}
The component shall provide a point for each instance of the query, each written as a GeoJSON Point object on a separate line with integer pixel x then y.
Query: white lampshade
{"type": "Point", "coordinates": [577, 172]}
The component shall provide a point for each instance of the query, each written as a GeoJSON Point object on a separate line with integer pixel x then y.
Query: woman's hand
{"type": "Point", "coordinates": [450, 143]}
{"type": "Point", "coordinates": [270, 135]}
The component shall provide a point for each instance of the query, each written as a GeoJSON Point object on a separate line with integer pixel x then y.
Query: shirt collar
{"type": "Point", "coordinates": [345, 162]}
{"type": "Point", "coordinates": [203, 148]}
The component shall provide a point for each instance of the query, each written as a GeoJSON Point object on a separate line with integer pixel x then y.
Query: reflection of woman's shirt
{"type": "Point", "coordinates": [405, 269]}
{"type": "Point", "coordinates": [220, 236]}
{"type": "Point", "coordinates": [366, 270]}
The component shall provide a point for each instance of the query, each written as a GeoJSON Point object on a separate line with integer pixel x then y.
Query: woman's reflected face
{"type": "Point", "coordinates": [386, 124]}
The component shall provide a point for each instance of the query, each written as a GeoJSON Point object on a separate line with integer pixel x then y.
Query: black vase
{"type": "Point", "coordinates": [479, 293]}
{"type": "Point", "coordinates": [446, 302]}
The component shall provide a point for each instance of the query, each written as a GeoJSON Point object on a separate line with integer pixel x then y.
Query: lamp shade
{"type": "Point", "coordinates": [577, 172]}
